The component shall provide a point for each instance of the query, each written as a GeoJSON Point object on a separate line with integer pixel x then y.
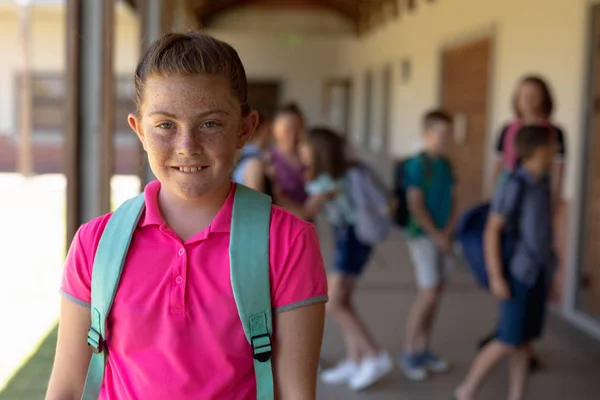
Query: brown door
{"type": "Point", "coordinates": [465, 77]}
{"type": "Point", "coordinates": [589, 291]}
{"type": "Point", "coordinates": [263, 96]}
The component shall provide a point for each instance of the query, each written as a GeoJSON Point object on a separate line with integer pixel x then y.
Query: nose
{"type": "Point", "coordinates": [188, 143]}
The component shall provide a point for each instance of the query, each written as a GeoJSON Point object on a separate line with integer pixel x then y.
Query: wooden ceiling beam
{"type": "Point", "coordinates": [347, 8]}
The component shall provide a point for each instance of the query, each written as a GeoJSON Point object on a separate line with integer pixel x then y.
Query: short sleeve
{"type": "Point", "coordinates": [77, 275]}
{"type": "Point", "coordinates": [500, 143]}
{"type": "Point", "coordinates": [414, 175]}
{"type": "Point", "coordinates": [561, 151]}
{"type": "Point", "coordinates": [301, 280]}
{"type": "Point", "coordinates": [505, 202]}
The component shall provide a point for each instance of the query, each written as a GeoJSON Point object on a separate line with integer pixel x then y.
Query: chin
{"type": "Point", "coordinates": [192, 191]}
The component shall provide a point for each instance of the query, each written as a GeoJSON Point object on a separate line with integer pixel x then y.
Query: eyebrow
{"type": "Point", "coordinates": [200, 115]}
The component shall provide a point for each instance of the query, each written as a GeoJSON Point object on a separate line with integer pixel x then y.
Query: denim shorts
{"type": "Point", "coordinates": [522, 317]}
{"type": "Point", "coordinates": [350, 255]}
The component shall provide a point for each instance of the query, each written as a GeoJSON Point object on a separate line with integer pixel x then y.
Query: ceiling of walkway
{"type": "Point", "coordinates": [363, 14]}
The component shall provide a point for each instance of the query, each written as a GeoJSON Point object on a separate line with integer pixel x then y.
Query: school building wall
{"type": "Point", "coordinates": [533, 36]}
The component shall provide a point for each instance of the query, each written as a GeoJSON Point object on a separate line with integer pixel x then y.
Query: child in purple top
{"type": "Point", "coordinates": [289, 172]}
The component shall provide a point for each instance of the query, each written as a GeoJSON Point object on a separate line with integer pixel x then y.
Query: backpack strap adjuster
{"type": "Point", "coordinates": [95, 341]}
{"type": "Point", "coordinates": [261, 346]}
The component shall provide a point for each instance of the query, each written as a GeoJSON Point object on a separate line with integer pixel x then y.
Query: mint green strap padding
{"type": "Point", "coordinates": [108, 264]}
{"type": "Point", "coordinates": [249, 259]}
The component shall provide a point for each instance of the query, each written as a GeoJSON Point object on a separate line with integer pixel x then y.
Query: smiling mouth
{"type": "Point", "coordinates": [190, 169]}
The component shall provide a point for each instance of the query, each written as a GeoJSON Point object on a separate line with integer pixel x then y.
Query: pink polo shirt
{"type": "Point", "coordinates": [174, 331]}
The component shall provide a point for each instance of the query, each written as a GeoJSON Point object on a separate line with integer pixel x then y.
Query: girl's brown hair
{"type": "Point", "coordinates": [547, 100]}
{"type": "Point", "coordinates": [190, 54]}
{"type": "Point", "coordinates": [329, 152]}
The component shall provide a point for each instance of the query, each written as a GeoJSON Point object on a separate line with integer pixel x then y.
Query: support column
{"type": "Point", "coordinates": [151, 28]}
{"type": "Point", "coordinates": [89, 114]}
{"type": "Point", "coordinates": [25, 152]}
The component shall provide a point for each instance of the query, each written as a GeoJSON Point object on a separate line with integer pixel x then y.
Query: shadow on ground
{"type": "Point", "coordinates": [31, 380]}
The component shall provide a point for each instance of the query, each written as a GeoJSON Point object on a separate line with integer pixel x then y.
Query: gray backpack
{"type": "Point", "coordinates": [371, 202]}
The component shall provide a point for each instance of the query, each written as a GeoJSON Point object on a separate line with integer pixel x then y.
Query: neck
{"type": "Point", "coordinates": [433, 153]}
{"type": "Point", "coordinates": [187, 217]}
{"type": "Point", "coordinates": [534, 169]}
{"type": "Point", "coordinates": [532, 119]}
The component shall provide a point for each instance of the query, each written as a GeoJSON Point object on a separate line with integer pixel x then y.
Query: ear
{"type": "Point", "coordinates": [249, 125]}
{"type": "Point", "coordinates": [136, 125]}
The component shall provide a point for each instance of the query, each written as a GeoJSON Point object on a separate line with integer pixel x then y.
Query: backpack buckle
{"type": "Point", "coordinates": [261, 346]}
{"type": "Point", "coordinates": [95, 341]}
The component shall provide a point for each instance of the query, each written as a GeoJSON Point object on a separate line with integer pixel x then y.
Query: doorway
{"type": "Point", "coordinates": [466, 71]}
{"type": "Point", "coordinates": [263, 96]}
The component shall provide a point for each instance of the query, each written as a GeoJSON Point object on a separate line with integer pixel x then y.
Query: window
{"type": "Point", "coordinates": [48, 97]}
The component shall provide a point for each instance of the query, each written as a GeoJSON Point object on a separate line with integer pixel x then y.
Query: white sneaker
{"type": "Point", "coordinates": [341, 373]}
{"type": "Point", "coordinates": [371, 370]}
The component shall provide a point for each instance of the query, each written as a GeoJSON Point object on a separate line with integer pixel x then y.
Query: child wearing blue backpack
{"type": "Point", "coordinates": [330, 171]}
{"type": "Point", "coordinates": [521, 214]}
{"type": "Point", "coordinates": [429, 187]}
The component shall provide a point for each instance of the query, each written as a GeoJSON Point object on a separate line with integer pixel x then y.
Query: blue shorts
{"type": "Point", "coordinates": [350, 255]}
{"type": "Point", "coordinates": [522, 317]}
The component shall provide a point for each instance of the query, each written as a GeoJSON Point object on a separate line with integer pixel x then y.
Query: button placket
{"type": "Point", "coordinates": [178, 286]}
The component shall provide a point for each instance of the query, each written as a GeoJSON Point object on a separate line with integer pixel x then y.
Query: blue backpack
{"type": "Point", "coordinates": [470, 231]}
{"type": "Point", "coordinates": [249, 264]}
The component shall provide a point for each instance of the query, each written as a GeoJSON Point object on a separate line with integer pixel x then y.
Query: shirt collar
{"type": "Point", "coordinates": [529, 178]}
{"type": "Point", "coordinates": [221, 223]}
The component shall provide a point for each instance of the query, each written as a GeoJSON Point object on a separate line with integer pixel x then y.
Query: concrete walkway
{"type": "Point", "coordinates": [384, 297]}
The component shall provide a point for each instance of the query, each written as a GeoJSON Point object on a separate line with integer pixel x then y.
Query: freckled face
{"type": "Point", "coordinates": [191, 127]}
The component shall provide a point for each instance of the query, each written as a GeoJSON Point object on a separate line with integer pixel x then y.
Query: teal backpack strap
{"type": "Point", "coordinates": [249, 259]}
{"type": "Point", "coordinates": [108, 264]}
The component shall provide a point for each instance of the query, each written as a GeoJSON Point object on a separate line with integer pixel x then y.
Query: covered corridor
{"type": "Point", "coordinates": [367, 68]}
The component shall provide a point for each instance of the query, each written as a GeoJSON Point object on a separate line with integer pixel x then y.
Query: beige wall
{"type": "Point", "coordinates": [530, 36]}
{"type": "Point", "coordinates": [301, 66]}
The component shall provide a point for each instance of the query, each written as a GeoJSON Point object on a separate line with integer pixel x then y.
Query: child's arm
{"type": "Point", "coordinates": [493, 256]}
{"type": "Point", "coordinates": [298, 345]}
{"type": "Point", "coordinates": [72, 353]}
{"type": "Point", "coordinates": [417, 209]}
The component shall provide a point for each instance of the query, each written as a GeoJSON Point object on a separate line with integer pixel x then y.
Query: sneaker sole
{"type": "Point", "coordinates": [372, 381]}
{"type": "Point", "coordinates": [412, 376]}
{"type": "Point", "coordinates": [435, 370]}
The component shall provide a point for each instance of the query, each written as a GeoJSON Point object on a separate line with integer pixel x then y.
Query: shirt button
{"type": "Point", "coordinates": [181, 252]}
{"type": "Point", "coordinates": [179, 280]}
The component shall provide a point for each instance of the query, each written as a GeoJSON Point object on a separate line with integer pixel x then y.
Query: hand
{"type": "Point", "coordinates": [500, 288]}
{"type": "Point", "coordinates": [443, 242]}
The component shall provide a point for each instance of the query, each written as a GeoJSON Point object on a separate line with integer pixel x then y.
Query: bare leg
{"type": "Point", "coordinates": [420, 313]}
{"type": "Point", "coordinates": [357, 339]}
{"type": "Point", "coordinates": [487, 359]}
{"type": "Point", "coordinates": [519, 372]}
{"type": "Point", "coordinates": [430, 320]}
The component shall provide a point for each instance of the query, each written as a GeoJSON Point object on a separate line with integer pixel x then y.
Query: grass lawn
{"type": "Point", "coordinates": [31, 380]}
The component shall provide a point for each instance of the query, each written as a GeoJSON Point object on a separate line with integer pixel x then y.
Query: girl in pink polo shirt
{"type": "Point", "coordinates": [173, 331]}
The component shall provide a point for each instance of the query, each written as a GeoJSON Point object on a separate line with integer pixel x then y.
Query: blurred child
{"type": "Point", "coordinates": [251, 169]}
{"type": "Point", "coordinates": [521, 210]}
{"type": "Point", "coordinates": [430, 197]}
{"type": "Point", "coordinates": [329, 171]}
